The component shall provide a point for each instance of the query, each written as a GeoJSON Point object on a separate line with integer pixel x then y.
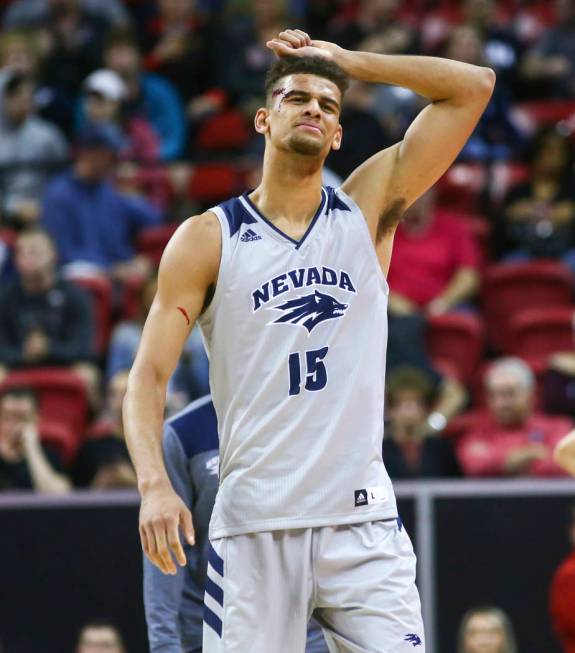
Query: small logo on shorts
{"type": "Point", "coordinates": [360, 497]}
{"type": "Point", "coordinates": [414, 639]}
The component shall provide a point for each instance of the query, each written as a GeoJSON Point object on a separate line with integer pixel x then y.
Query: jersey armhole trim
{"type": "Point", "coordinates": [369, 243]}
{"type": "Point", "coordinates": [222, 268]}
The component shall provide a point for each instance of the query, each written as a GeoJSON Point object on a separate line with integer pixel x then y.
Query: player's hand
{"type": "Point", "coordinates": [162, 514]}
{"type": "Point", "coordinates": [296, 43]}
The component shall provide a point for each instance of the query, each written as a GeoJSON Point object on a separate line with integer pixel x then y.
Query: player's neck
{"type": "Point", "coordinates": [290, 189]}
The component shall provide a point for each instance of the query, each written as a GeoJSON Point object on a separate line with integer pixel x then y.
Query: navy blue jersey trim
{"type": "Point", "coordinates": [297, 243]}
{"type": "Point", "coordinates": [216, 592]}
{"type": "Point", "coordinates": [236, 214]}
{"type": "Point", "coordinates": [213, 621]}
{"type": "Point", "coordinates": [215, 560]}
{"type": "Point", "coordinates": [334, 201]}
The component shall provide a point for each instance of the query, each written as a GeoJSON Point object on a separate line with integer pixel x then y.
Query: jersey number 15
{"type": "Point", "coordinates": [315, 371]}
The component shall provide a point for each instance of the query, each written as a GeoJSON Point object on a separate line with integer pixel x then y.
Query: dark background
{"type": "Point", "coordinates": [61, 567]}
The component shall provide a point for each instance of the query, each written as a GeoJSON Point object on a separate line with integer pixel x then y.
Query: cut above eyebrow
{"type": "Point", "coordinates": [306, 95]}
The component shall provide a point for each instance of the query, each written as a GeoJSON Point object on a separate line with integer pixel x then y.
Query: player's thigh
{"type": "Point", "coordinates": [368, 600]}
{"type": "Point", "coordinates": [258, 591]}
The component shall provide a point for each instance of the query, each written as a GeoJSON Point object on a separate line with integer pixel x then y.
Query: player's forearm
{"type": "Point", "coordinates": [432, 77]}
{"type": "Point", "coordinates": [143, 413]}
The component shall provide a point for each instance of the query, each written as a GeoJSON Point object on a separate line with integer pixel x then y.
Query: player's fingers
{"type": "Point", "coordinates": [306, 37]}
{"type": "Point", "coordinates": [292, 38]}
{"type": "Point", "coordinates": [281, 48]}
{"type": "Point", "coordinates": [144, 540]}
{"type": "Point", "coordinates": [162, 547]}
{"type": "Point", "coordinates": [174, 543]}
{"type": "Point", "coordinates": [151, 548]}
{"type": "Point", "coordinates": [188, 527]}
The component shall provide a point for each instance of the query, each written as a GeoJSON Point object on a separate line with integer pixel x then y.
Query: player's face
{"type": "Point", "coordinates": [303, 116]}
{"type": "Point", "coordinates": [484, 634]}
{"type": "Point", "coordinates": [508, 399]}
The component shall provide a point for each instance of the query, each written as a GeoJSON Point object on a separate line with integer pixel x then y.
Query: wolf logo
{"type": "Point", "coordinates": [309, 310]}
{"type": "Point", "coordinates": [413, 639]}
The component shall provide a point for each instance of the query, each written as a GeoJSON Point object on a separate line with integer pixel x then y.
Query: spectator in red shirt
{"type": "Point", "coordinates": [435, 261]}
{"type": "Point", "coordinates": [562, 596]}
{"type": "Point", "coordinates": [512, 439]}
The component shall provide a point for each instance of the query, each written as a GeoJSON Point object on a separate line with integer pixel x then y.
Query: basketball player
{"type": "Point", "coordinates": [287, 288]}
{"type": "Point", "coordinates": [174, 604]}
{"type": "Point", "coordinates": [564, 453]}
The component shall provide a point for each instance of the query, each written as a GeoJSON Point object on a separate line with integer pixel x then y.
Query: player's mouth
{"type": "Point", "coordinates": [310, 127]}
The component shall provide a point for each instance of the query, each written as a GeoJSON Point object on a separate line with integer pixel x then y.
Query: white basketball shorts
{"type": "Point", "coordinates": [358, 581]}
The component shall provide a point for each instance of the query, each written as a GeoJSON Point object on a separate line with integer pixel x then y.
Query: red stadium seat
{"type": "Point", "coordinates": [214, 182]}
{"type": "Point", "coordinates": [60, 436]}
{"type": "Point", "coordinates": [461, 186]}
{"type": "Point", "coordinates": [62, 394]}
{"type": "Point", "coordinates": [151, 242]}
{"type": "Point", "coordinates": [457, 338]}
{"type": "Point", "coordinates": [100, 289]}
{"type": "Point", "coordinates": [539, 332]}
{"type": "Point", "coordinates": [532, 115]}
{"type": "Point", "coordinates": [508, 289]}
{"type": "Point", "coordinates": [224, 131]}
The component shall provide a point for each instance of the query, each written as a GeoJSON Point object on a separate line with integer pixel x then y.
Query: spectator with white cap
{"type": "Point", "coordinates": [102, 101]}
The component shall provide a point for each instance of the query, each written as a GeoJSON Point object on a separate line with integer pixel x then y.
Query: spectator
{"type": "Point", "coordinates": [512, 439]}
{"type": "Point", "coordinates": [435, 261]}
{"type": "Point", "coordinates": [43, 319]}
{"type": "Point", "coordinates": [175, 603]}
{"type": "Point", "coordinates": [190, 380]}
{"type": "Point", "coordinates": [70, 40]}
{"type": "Point", "coordinates": [100, 637]}
{"type": "Point", "coordinates": [562, 596]}
{"type": "Point", "coordinates": [148, 94]}
{"type": "Point", "coordinates": [486, 629]}
{"type": "Point", "coordinates": [539, 214]}
{"type": "Point", "coordinates": [25, 14]}
{"type": "Point", "coordinates": [564, 454]}
{"type": "Point", "coordinates": [103, 461]}
{"type": "Point", "coordinates": [377, 27]}
{"type": "Point", "coordinates": [495, 137]}
{"type": "Point", "coordinates": [93, 225]}
{"type": "Point", "coordinates": [551, 62]}
{"type": "Point", "coordinates": [19, 51]}
{"type": "Point", "coordinates": [412, 446]}
{"type": "Point", "coordinates": [103, 102]}
{"type": "Point", "coordinates": [31, 149]}
{"type": "Point", "coordinates": [181, 45]}
{"type": "Point", "coordinates": [25, 462]}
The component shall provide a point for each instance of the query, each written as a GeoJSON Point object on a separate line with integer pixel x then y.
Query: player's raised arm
{"type": "Point", "coordinates": [564, 453]}
{"type": "Point", "coordinates": [391, 180]}
{"type": "Point", "coordinates": [187, 276]}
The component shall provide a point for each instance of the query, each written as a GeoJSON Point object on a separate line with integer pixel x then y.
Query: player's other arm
{"type": "Point", "coordinates": [564, 453]}
{"type": "Point", "coordinates": [187, 276]}
{"type": "Point", "coordinates": [391, 180]}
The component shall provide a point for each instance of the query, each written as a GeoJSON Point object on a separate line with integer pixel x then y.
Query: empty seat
{"type": "Point", "coordinates": [511, 288]}
{"type": "Point", "coordinates": [537, 333]}
{"type": "Point", "coordinates": [62, 395]}
{"type": "Point", "coordinates": [457, 338]}
{"type": "Point", "coordinates": [227, 130]}
{"type": "Point", "coordinates": [152, 241]}
{"type": "Point", "coordinates": [215, 182]}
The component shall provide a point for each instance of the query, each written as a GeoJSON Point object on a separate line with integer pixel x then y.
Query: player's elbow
{"type": "Point", "coordinates": [486, 78]}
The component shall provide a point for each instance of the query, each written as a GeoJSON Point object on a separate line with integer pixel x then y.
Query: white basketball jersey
{"type": "Point", "coordinates": [296, 333]}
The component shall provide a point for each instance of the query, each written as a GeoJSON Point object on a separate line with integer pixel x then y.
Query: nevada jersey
{"type": "Point", "coordinates": [296, 333]}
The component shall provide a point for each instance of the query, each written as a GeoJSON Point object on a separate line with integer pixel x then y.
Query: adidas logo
{"type": "Point", "coordinates": [249, 236]}
{"type": "Point", "coordinates": [360, 497]}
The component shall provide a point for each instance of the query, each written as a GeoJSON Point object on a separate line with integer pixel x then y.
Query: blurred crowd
{"type": "Point", "coordinates": [118, 120]}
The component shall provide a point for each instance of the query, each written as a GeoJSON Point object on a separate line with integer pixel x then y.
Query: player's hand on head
{"type": "Point", "coordinates": [162, 515]}
{"type": "Point", "coordinates": [296, 43]}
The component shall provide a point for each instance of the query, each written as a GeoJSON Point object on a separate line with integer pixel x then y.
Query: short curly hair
{"type": "Point", "coordinates": [318, 66]}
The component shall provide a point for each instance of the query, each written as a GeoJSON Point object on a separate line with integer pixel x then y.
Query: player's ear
{"type": "Point", "coordinates": [261, 120]}
{"type": "Point", "coordinates": [336, 142]}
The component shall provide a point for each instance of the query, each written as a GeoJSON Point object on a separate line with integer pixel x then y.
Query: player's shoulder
{"type": "Point", "coordinates": [195, 242]}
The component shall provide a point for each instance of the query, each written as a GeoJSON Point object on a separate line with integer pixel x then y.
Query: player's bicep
{"type": "Point", "coordinates": [187, 274]}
